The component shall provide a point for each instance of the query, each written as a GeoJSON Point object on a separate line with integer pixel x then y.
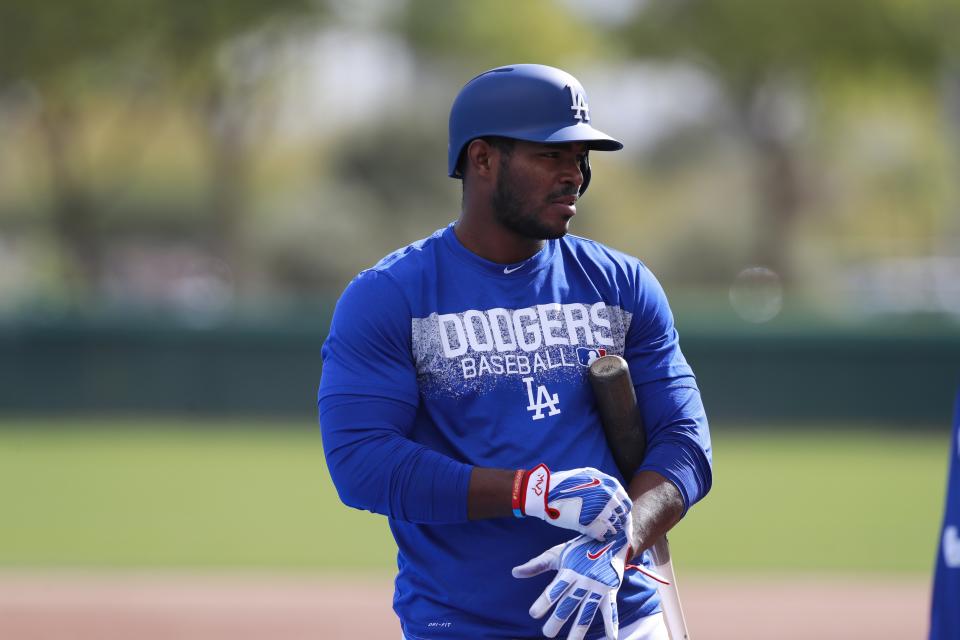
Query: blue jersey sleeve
{"type": "Point", "coordinates": [374, 466]}
{"type": "Point", "coordinates": [678, 435]}
{"type": "Point", "coordinates": [368, 350]}
{"type": "Point", "coordinates": [652, 347]}
{"type": "Point", "coordinates": [368, 400]}
{"type": "Point", "coordinates": [944, 613]}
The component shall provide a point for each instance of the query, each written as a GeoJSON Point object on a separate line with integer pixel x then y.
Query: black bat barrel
{"type": "Point", "coordinates": [619, 414]}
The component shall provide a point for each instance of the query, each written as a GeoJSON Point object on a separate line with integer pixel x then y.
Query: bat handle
{"type": "Point", "coordinates": [669, 596]}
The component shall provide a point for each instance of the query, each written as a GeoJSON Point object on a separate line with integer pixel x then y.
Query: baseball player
{"type": "Point", "coordinates": [945, 610]}
{"type": "Point", "coordinates": [454, 397]}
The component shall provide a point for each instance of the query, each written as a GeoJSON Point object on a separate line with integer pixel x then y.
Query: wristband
{"type": "Point", "coordinates": [517, 484]}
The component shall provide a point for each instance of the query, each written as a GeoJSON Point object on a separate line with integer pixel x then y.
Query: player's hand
{"type": "Point", "coordinates": [585, 500]}
{"type": "Point", "coordinates": [589, 573]}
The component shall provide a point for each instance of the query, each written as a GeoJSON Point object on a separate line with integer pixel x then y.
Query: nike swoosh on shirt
{"type": "Point", "coordinates": [594, 556]}
{"type": "Point", "coordinates": [508, 270]}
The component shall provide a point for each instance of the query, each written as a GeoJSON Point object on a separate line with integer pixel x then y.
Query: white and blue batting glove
{"type": "Point", "coordinates": [589, 573]}
{"type": "Point", "coordinates": [585, 500]}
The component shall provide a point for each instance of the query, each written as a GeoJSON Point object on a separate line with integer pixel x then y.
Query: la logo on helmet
{"type": "Point", "coordinates": [580, 106]}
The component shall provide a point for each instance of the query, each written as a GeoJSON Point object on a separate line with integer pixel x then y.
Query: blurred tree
{"type": "Point", "coordinates": [60, 48]}
{"type": "Point", "coordinates": [41, 44]}
{"type": "Point", "coordinates": [766, 55]}
{"type": "Point", "coordinates": [482, 35]}
{"type": "Point", "coordinates": [402, 174]}
{"type": "Point", "coordinates": [222, 77]}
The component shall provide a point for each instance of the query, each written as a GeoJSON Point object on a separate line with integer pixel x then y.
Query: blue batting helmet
{"type": "Point", "coordinates": [531, 102]}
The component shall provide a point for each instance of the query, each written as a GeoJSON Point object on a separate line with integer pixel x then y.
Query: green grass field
{"type": "Point", "coordinates": [181, 494]}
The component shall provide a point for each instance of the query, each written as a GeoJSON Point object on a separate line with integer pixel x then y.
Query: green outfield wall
{"type": "Point", "coordinates": [746, 375]}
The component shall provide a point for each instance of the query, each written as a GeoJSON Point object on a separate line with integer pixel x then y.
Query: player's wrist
{"type": "Point", "coordinates": [531, 488]}
{"type": "Point", "coordinates": [516, 501]}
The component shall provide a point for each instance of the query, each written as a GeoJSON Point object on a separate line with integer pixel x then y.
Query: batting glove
{"type": "Point", "coordinates": [584, 500]}
{"type": "Point", "coordinates": [589, 573]}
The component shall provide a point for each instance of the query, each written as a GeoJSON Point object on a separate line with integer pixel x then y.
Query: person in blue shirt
{"type": "Point", "coordinates": [945, 607]}
{"type": "Point", "coordinates": [454, 396]}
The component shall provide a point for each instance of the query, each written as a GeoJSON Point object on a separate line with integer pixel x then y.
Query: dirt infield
{"type": "Point", "coordinates": [36, 606]}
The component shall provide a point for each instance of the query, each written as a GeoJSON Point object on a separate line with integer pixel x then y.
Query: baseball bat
{"type": "Point", "coordinates": [623, 425]}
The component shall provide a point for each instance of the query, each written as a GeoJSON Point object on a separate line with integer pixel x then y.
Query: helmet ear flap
{"type": "Point", "coordinates": [585, 171]}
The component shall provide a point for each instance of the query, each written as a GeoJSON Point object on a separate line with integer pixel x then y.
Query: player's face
{"type": "Point", "coordinates": [537, 188]}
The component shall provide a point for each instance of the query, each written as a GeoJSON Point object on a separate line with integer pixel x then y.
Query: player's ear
{"type": "Point", "coordinates": [480, 158]}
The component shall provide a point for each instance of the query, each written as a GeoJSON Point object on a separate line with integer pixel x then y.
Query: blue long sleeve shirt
{"type": "Point", "coordinates": [438, 361]}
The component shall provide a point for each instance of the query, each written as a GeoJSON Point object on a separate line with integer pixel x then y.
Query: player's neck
{"type": "Point", "coordinates": [492, 241]}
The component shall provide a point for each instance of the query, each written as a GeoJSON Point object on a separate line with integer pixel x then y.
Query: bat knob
{"type": "Point", "coordinates": [608, 366]}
